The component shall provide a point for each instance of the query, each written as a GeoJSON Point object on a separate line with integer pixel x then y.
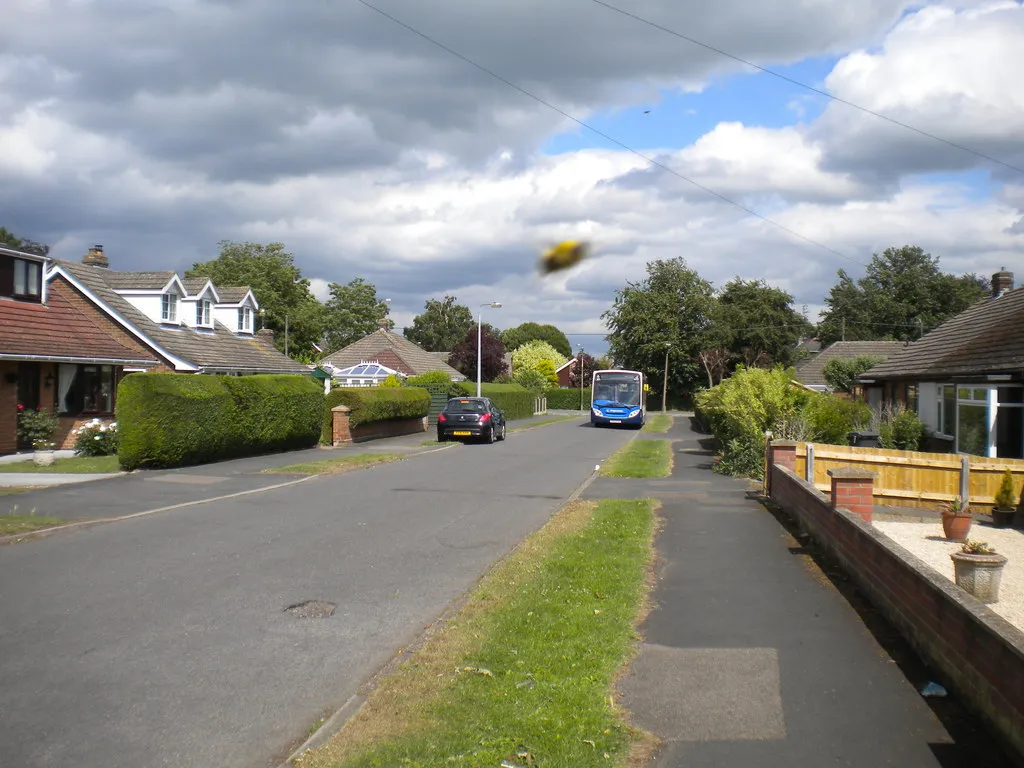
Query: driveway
{"type": "Point", "coordinates": [164, 641]}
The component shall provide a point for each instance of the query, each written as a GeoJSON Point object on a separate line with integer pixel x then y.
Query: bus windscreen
{"type": "Point", "coordinates": [617, 389]}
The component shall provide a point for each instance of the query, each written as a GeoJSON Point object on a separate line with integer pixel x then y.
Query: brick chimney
{"type": "Point", "coordinates": [1002, 282]}
{"type": "Point", "coordinates": [95, 257]}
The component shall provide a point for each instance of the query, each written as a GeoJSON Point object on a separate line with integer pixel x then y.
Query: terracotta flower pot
{"type": "Point", "coordinates": [955, 525]}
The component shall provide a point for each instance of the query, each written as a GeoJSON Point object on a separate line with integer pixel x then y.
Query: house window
{"type": "Point", "coordinates": [1010, 423]}
{"type": "Point", "coordinates": [85, 389]}
{"type": "Point", "coordinates": [169, 308]}
{"type": "Point", "coordinates": [21, 279]}
{"type": "Point", "coordinates": [245, 319]}
{"type": "Point", "coordinates": [203, 313]}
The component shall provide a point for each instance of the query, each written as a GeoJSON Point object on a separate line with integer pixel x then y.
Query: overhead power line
{"type": "Point", "coordinates": [810, 88]}
{"type": "Point", "coordinates": [606, 136]}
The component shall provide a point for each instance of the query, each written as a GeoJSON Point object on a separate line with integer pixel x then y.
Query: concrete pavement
{"type": "Point", "coordinates": [751, 656]}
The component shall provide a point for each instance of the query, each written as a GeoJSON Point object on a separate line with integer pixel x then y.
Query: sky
{"type": "Point", "coordinates": [159, 128]}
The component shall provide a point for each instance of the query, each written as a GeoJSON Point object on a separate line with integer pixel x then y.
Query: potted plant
{"type": "Point", "coordinates": [956, 519]}
{"type": "Point", "coordinates": [978, 569]}
{"type": "Point", "coordinates": [38, 428]}
{"type": "Point", "coordinates": [1005, 502]}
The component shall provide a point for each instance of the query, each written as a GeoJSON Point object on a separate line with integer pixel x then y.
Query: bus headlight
{"type": "Point", "coordinates": [634, 414]}
{"type": "Point", "coordinates": [597, 412]}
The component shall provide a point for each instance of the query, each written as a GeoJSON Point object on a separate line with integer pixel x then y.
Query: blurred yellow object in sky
{"type": "Point", "coordinates": [563, 256]}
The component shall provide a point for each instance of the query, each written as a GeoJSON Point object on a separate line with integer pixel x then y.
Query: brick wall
{"type": "Point", "coordinates": [344, 433]}
{"type": "Point", "coordinates": [979, 654]}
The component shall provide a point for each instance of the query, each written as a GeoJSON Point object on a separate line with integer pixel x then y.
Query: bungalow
{"type": "Point", "coordinates": [58, 351]}
{"type": "Point", "coordinates": [965, 379]}
{"type": "Point", "coordinates": [811, 372]}
{"type": "Point", "coordinates": [190, 324]}
{"type": "Point", "coordinates": [392, 351]}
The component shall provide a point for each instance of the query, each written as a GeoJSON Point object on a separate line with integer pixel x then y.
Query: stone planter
{"type": "Point", "coordinates": [979, 574]}
{"type": "Point", "coordinates": [1002, 517]}
{"type": "Point", "coordinates": [956, 525]}
{"type": "Point", "coordinates": [42, 458]}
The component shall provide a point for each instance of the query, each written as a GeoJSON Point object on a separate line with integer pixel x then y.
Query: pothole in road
{"type": "Point", "coordinates": [312, 609]}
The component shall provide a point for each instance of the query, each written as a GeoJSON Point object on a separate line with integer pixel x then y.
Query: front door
{"type": "Point", "coordinates": [28, 390]}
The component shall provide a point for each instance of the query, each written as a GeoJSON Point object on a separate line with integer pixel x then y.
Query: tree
{"type": "Point", "coordinates": [902, 296]}
{"type": "Point", "coordinates": [672, 306]}
{"type": "Point", "coordinates": [546, 368]}
{"type": "Point", "coordinates": [280, 289]}
{"type": "Point", "coordinates": [759, 324]}
{"type": "Point", "coordinates": [440, 326]}
{"type": "Point", "coordinates": [352, 312]}
{"type": "Point", "coordinates": [10, 240]}
{"type": "Point", "coordinates": [531, 354]}
{"type": "Point", "coordinates": [492, 365]}
{"type": "Point", "coordinates": [840, 374]}
{"type": "Point", "coordinates": [527, 332]}
{"type": "Point", "coordinates": [715, 362]}
{"type": "Point", "coordinates": [589, 365]}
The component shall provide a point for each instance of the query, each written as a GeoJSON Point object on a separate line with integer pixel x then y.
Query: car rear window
{"type": "Point", "coordinates": [465, 406]}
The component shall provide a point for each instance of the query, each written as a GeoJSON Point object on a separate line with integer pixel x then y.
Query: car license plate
{"type": "Point", "coordinates": [462, 433]}
{"type": "Point", "coordinates": [616, 421]}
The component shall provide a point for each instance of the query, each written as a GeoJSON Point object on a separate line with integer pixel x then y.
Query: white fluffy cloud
{"type": "Point", "coordinates": [369, 152]}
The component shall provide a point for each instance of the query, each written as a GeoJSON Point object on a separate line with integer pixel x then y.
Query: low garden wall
{"type": "Point", "coordinates": [344, 432]}
{"type": "Point", "coordinates": [979, 654]}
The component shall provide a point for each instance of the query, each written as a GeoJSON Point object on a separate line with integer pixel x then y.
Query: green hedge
{"type": "Point", "coordinates": [567, 399]}
{"type": "Point", "coordinates": [177, 419]}
{"type": "Point", "coordinates": [455, 388]}
{"type": "Point", "coordinates": [515, 401]}
{"type": "Point", "coordinates": [369, 404]}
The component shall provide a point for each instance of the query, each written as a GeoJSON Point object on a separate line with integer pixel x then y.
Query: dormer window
{"type": "Point", "coordinates": [169, 308]}
{"type": "Point", "coordinates": [21, 279]}
{"type": "Point", "coordinates": [203, 313]}
{"type": "Point", "coordinates": [245, 319]}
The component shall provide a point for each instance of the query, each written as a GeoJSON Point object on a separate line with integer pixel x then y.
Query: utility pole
{"type": "Point", "coordinates": [286, 334]}
{"type": "Point", "coordinates": [664, 384]}
{"type": "Point", "coordinates": [844, 329]}
{"type": "Point", "coordinates": [580, 373]}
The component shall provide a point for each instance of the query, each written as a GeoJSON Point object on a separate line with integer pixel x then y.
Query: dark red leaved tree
{"type": "Point", "coordinates": [492, 365]}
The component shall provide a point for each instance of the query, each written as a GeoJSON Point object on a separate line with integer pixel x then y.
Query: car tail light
{"type": "Point", "coordinates": [442, 418]}
{"type": "Point", "coordinates": [485, 418]}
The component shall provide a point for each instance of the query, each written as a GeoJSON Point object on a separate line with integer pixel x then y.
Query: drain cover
{"type": "Point", "coordinates": [312, 609]}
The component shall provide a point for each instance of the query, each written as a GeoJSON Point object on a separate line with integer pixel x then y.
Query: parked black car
{"type": "Point", "coordinates": [477, 417]}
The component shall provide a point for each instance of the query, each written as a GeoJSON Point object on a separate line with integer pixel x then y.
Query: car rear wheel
{"type": "Point", "coordinates": [502, 433]}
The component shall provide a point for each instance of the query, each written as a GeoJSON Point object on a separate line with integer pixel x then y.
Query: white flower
{"type": "Point", "coordinates": [97, 438]}
{"type": "Point", "coordinates": [103, 427]}
{"type": "Point", "coordinates": [113, 425]}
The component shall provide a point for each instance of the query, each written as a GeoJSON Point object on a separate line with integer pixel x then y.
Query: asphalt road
{"type": "Point", "coordinates": [163, 640]}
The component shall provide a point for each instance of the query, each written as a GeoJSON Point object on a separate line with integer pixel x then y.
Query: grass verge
{"type": "Point", "coordinates": [337, 466]}
{"type": "Point", "coordinates": [11, 490]}
{"type": "Point", "coordinates": [13, 524]}
{"type": "Point", "coordinates": [524, 671]}
{"type": "Point", "coordinates": [640, 458]}
{"type": "Point", "coordinates": [660, 424]}
{"type": "Point", "coordinates": [76, 465]}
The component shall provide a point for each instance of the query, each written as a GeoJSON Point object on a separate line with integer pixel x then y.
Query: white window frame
{"type": "Point", "coordinates": [204, 310]}
{"type": "Point", "coordinates": [245, 319]}
{"type": "Point", "coordinates": [169, 308]}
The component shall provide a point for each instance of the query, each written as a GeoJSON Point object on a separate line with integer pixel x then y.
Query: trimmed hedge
{"type": "Point", "coordinates": [178, 419]}
{"type": "Point", "coordinates": [567, 399]}
{"type": "Point", "coordinates": [515, 401]}
{"type": "Point", "coordinates": [431, 378]}
{"type": "Point", "coordinates": [369, 404]}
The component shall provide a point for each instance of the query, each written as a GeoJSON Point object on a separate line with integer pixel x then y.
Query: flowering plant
{"type": "Point", "coordinates": [96, 439]}
{"type": "Point", "coordinates": [36, 428]}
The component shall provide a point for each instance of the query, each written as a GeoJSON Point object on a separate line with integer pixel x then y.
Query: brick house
{"type": "Point", "coordinates": [189, 324]}
{"type": "Point", "coordinates": [391, 350]}
{"type": "Point", "coordinates": [811, 372]}
{"type": "Point", "coordinates": [564, 371]}
{"type": "Point", "coordinates": [965, 379]}
{"type": "Point", "coordinates": [58, 351]}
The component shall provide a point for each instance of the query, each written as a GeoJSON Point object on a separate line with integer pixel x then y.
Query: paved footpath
{"type": "Point", "coordinates": [750, 656]}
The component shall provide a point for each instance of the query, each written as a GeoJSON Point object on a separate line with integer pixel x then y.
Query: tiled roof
{"type": "Point", "coordinates": [812, 371]}
{"type": "Point", "coordinates": [207, 349]}
{"type": "Point", "coordinates": [59, 329]}
{"type": "Point", "coordinates": [232, 294]}
{"type": "Point", "coordinates": [121, 281]}
{"type": "Point", "coordinates": [195, 284]}
{"type": "Point", "coordinates": [986, 338]}
{"type": "Point", "coordinates": [414, 359]}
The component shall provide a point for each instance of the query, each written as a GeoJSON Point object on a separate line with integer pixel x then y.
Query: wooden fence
{"type": "Point", "coordinates": [912, 478]}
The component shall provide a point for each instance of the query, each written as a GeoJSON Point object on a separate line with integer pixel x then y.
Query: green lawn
{"type": "Point", "coordinates": [640, 458]}
{"type": "Point", "coordinates": [659, 424]}
{"type": "Point", "coordinates": [13, 524]}
{"type": "Point", "coordinates": [338, 465]}
{"type": "Point", "coordinates": [523, 674]}
{"type": "Point", "coordinates": [78, 465]}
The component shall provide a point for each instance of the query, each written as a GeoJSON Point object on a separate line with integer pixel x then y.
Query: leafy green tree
{"type": "Point", "coordinates": [530, 378]}
{"type": "Point", "coordinates": [352, 312]}
{"type": "Point", "coordinates": [10, 240]}
{"type": "Point", "coordinates": [759, 324]}
{"type": "Point", "coordinates": [492, 358]}
{"type": "Point", "coordinates": [840, 374]}
{"type": "Point", "coordinates": [546, 368]}
{"type": "Point", "coordinates": [527, 332]}
{"type": "Point", "coordinates": [902, 295]}
{"type": "Point", "coordinates": [280, 289]}
{"type": "Point", "coordinates": [531, 354]}
{"type": "Point", "coordinates": [440, 326]}
{"type": "Point", "coordinates": [671, 309]}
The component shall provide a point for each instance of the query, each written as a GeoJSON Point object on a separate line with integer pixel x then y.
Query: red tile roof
{"type": "Point", "coordinates": [59, 329]}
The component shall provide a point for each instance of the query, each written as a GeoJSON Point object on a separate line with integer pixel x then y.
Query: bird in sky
{"type": "Point", "coordinates": [566, 254]}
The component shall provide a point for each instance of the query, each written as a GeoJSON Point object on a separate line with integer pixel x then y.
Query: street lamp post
{"type": "Point", "coordinates": [580, 374]}
{"type": "Point", "coordinates": [664, 384]}
{"type": "Point", "coordinates": [479, 326]}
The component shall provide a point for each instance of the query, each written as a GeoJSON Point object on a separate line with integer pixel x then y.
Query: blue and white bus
{"type": "Point", "coordinates": [618, 397]}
